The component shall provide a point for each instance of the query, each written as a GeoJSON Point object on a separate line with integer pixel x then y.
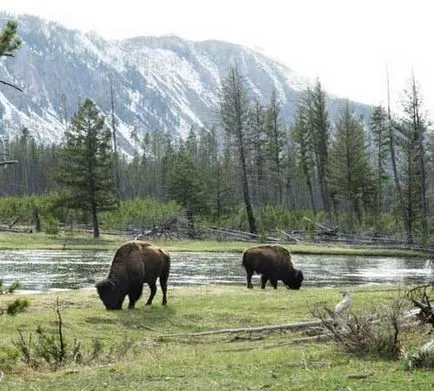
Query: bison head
{"type": "Point", "coordinates": [294, 279]}
{"type": "Point", "coordinates": [109, 294]}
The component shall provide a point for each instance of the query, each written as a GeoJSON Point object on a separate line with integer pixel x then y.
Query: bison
{"type": "Point", "coordinates": [135, 263]}
{"type": "Point", "coordinates": [274, 263]}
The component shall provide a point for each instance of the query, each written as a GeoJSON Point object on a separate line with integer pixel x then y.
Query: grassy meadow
{"type": "Point", "coordinates": [142, 348]}
{"type": "Point", "coordinates": [64, 241]}
{"type": "Point", "coordinates": [149, 347]}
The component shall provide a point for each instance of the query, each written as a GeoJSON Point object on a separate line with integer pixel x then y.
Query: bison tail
{"type": "Point", "coordinates": [245, 256]}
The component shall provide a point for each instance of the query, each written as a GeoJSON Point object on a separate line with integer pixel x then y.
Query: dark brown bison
{"type": "Point", "coordinates": [274, 263]}
{"type": "Point", "coordinates": [135, 263]}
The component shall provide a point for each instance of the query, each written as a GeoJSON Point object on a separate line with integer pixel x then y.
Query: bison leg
{"type": "Point", "coordinates": [153, 287]}
{"type": "Point", "coordinates": [163, 284]}
{"type": "Point", "coordinates": [249, 278]}
{"type": "Point", "coordinates": [273, 283]}
{"type": "Point", "coordinates": [134, 295]}
{"type": "Point", "coordinates": [264, 279]}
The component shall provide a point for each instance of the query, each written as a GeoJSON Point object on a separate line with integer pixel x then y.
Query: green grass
{"type": "Point", "coordinates": [159, 361]}
{"type": "Point", "coordinates": [42, 241]}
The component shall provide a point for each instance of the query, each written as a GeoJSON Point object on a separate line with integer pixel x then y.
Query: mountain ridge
{"type": "Point", "coordinates": [164, 83]}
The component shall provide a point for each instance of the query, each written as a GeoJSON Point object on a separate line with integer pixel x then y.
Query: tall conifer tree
{"type": "Point", "coordinates": [380, 132]}
{"type": "Point", "coordinates": [86, 166]}
{"type": "Point", "coordinates": [234, 114]}
{"type": "Point", "coordinates": [185, 185]}
{"type": "Point", "coordinates": [275, 143]}
{"type": "Point", "coordinates": [302, 137]}
{"type": "Point", "coordinates": [350, 174]}
{"type": "Point", "coordinates": [321, 138]}
{"type": "Point", "coordinates": [412, 129]}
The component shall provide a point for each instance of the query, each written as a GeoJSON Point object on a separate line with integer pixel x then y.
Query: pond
{"type": "Point", "coordinates": [65, 269]}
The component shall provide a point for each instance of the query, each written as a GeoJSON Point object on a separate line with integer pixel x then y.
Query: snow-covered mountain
{"type": "Point", "coordinates": [164, 83]}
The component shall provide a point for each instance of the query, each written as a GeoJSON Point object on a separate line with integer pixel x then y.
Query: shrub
{"type": "Point", "coordinates": [51, 347]}
{"type": "Point", "coordinates": [51, 227]}
{"type": "Point", "coordinates": [375, 333]}
{"type": "Point", "coordinates": [18, 305]}
{"type": "Point", "coordinates": [423, 358]}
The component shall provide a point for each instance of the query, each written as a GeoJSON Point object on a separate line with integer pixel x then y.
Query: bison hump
{"type": "Point", "coordinates": [133, 245]}
{"type": "Point", "coordinates": [268, 253]}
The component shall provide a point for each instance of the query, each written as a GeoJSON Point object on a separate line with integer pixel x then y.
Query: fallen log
{"type": "Point", "coordinates": [290, 326]}
{"type": "Point", "coordinates": [316, 338]}
{"type": "Point", "coordinates": [327, 230]}
{"type": "Point", "coordinates": [16, 230]}
{"type": "Point", "coordinates": [289, 236]}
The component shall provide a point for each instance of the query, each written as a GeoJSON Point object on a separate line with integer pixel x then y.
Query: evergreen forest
{"type": "Point", "coordinates": [252, 170]}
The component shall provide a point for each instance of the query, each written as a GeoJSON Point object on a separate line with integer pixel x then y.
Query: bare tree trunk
{"type": "Point", "coordinates": [245, 184]}
{"type": "Point", "coordinates": [398, 188]}
{"type": "Point", "coordinates": [95, 223]}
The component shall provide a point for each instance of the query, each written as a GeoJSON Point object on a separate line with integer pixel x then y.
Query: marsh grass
{"type": "Point", "coordinates": [133, 355]}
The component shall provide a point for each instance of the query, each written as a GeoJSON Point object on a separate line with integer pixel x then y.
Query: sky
{"type": "Point", "coordinates": [349, 45]}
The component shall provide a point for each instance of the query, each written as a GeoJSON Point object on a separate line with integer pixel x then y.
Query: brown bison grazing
{"type": "Point", "coordinates": [135, 263]}
{"type": "Point", "coordinates": [274, 263]}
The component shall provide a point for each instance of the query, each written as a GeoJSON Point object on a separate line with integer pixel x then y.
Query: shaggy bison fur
{"type": "Point", "coordinates": [274, 263]}
{"type": "Point", "coordinates": [135, 263]}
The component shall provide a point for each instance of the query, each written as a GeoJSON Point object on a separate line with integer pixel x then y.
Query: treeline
{"type": "Point", "coordinates": [358, 174]}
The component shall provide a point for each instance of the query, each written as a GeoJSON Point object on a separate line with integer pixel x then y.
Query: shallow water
{"type": "Point", "coordinates": [65, 269]}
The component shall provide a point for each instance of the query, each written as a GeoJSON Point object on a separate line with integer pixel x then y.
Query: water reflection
{"type": "Point", "coordinates": [45, 270]}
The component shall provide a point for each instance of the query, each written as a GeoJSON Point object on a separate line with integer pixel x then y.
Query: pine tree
{"type": "Point", "coordinates": [234, 114]}
{"type": "Point", "coordinates": [303, 142]}
{"type": "Point", "coordinates": [350, 174]}
{"type": "Point", "coordinates": [257, 136]}
{"type": "Point", "coordinates": [320, 127]}
{"type": "Point", "coordinates": [275, 142]}
{"type": "Point", "coordinates": [412, 129]}
{"type": "Point", "coordinates": [289, 168]}
{"type": "Point", "coordinates": [224, 196]}
{"type": "Point", "coordinates": [216, 176]}
{"type": "Point", "coordinates": [380, 132]}
{"type": "Point", "coordinates": [165, 164]}
{"type": "Point", "coordinates": [393, 148]}
{"type": "Point", "coordinates": [409, 174]}
{"type": "Point", "coordinates": [86, 165]}
{"type": "Point", "coordinates": [185, 186]}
